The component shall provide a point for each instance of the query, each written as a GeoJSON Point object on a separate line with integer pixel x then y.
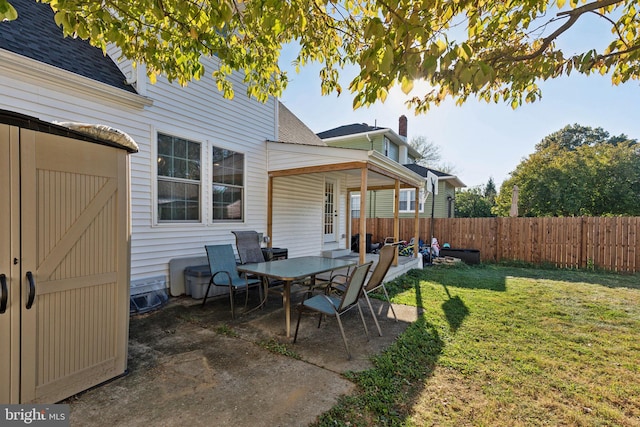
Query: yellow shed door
{"type": "Point", "coordinates": [74, 263]}
{"type": "Point", "coordinates": [9, 289]}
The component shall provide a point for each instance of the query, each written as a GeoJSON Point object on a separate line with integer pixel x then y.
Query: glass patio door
{"type": "Point", "coordinates": [330, 212]}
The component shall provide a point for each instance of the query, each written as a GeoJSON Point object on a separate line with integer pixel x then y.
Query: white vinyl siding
{"type": "Point", "coordinates": [298, 207]}
{"type": "Point", "coordinates": [298, 214]}
{"type": "Point", "coordinates": [197, 112]}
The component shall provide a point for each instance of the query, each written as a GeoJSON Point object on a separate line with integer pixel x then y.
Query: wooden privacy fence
{"type": "Point", "coordinates": [576, 242]}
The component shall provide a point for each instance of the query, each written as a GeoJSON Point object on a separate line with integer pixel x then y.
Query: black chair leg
{"type": "Point", "coordinates": [295, 336]}
{"type": "Point", "coordinates": [207, 292]}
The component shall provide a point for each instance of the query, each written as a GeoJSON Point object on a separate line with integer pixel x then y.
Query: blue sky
{"type": "Point", "coordinates": [481, 140]}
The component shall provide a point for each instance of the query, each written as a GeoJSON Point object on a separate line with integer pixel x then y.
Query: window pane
{"type": "Point", "coordinates": [164, 165]}
{"type": "Point", "coordinates": [228, 167]}
{"type": "Point", "coordinates": [178, 201]}
{"type": "Point", "coordinates": [178, 158]}
{"type": "Point", "coordinates": [179, 147]}
{"type": "Point", "coordinates": [164, 145]}
{"type": "Point", "coordinates": [407, 201]}
{"type": "Point", "coordinates": [228, 184]}
{"type": "Point", "coordinates": [227, 202]}
{"type": "Point", "coordinates": [178, 179]}
{"type": "Point", "coordinates": [394, 151]}
{"type": "Point", "coordinates": [355, 206]}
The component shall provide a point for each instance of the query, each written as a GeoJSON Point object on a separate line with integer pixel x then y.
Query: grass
{"type": "Point", "coordinates": [501, 345]}
{"type": "Point", "coordinates": [276, 347]}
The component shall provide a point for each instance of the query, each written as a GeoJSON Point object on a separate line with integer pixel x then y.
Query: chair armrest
{"type": "Point", "coordinates": [339, 285]}
{"type": "Point", "coordinates": [213, 278]}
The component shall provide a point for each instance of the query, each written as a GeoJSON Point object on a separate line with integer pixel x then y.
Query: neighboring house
{"type": "Point", "coordinates": [444, 206]}
{"type": "Point", "coordinates": [206, 165]}
{"type": "Point", "coordinates": [396, 147]}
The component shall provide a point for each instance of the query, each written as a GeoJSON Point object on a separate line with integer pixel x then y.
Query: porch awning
{"type": "Point", "coordinates": [288, 159]}
{"type": "Point", "coordinates": [363, 170]}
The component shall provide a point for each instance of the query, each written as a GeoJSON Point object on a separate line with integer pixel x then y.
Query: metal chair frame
{"type": "Point", "coordinates": [375, 282]}
{"type": "Point", "coordinates": [222, 263]}
{"type": "Point", "coordinates": [332, 305]}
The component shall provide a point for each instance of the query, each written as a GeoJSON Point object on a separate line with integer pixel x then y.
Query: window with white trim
{"type": "Point", "coordinates": [391, 150]}
{"type": "Point", "coordinates": [179, 179]}
{"type": "Point", "coordinates": [355, 206]}
{"type": "Point", "coordinates": [408, 201]}
{"type": "Point", "coordinates": [227, 185]}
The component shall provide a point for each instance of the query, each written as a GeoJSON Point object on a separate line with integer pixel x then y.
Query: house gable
{"type": "Point", "coordinates": [380, 202]}
{"type": "Point", "coordinates": [365, 137]}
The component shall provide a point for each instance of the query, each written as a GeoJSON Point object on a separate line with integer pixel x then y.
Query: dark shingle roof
{"type": "Point", "coordinates": [422, 171]}
{"type": "Point", "coordinates": [35, 35]}
{"type": "Point", "coordinates": [351, 129]}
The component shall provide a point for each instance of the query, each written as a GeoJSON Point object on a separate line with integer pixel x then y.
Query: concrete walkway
{"type": "Point", "coordinates": [193, 366]}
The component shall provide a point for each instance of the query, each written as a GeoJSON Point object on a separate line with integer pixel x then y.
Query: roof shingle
{"type": "Point", "coordinates": [35, 35]}
{"type": "Point", "coordinates": [352, 129]}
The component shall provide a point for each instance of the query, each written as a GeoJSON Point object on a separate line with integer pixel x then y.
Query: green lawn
{"type": "Point", "coordinates": [502, 346]}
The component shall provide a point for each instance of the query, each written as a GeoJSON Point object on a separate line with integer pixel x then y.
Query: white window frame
{"type": "Point", "coordinates": [243, 187]}
{"type": "Point", "coordinates": [206, 181]}
{"type": "Point", "coordinates": [410, 195]}
{"type": "Point", "coordinates": [355, 203]}
{"type": "Point", "coordinates": [158, 178]}
{"type": "Point", "coordinates": [387, 149]}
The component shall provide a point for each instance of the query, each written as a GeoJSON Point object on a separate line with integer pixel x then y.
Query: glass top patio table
{"type": "Point", "coordinates": [292, 269]}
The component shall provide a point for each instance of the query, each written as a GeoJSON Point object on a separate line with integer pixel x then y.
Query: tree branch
{"type": "Point", "coordinates": [573, 15]}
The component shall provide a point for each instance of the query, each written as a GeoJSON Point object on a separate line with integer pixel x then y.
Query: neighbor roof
{"type": "Point", "coordinates": [422, 171]}
{"type": "Point", "coordinates": [35, 35]}
{"type": "Point", "coordinates": [351, 129]}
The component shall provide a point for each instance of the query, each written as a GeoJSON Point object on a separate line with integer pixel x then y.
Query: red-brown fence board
{"type": "Point", "coordinates": [576, 242]}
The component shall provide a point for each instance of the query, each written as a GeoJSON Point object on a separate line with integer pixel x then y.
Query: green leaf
{"type": "Point", "coordinates": [406, 85]}
{"type": "Point", "coordinates": [7, 12]}
{"type": "Point", "coordinates": [387, 60]}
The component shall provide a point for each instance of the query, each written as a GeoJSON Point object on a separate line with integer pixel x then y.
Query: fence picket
{"type": "Point", "coordinates": [574, 242]}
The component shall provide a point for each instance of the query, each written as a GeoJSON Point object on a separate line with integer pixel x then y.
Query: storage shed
{"type": "Point", "coordinates": [64, 258]}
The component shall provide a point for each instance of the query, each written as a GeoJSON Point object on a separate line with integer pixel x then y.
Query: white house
{"type": "Point", "coordinates": [206, 165]}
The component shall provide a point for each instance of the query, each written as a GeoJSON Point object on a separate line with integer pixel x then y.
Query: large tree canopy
{"type": "Point", "coordinates": [494, 50]}
{"type": "Point", "coordinates": [476, 202]}
{"type": "Point", "coordinates": [577, 171]}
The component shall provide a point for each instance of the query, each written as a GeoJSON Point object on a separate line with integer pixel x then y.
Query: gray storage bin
{"type": "Point", "coordinates": [196, 280]}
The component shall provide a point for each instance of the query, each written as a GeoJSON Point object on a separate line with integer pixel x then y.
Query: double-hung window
{"type": "Point", "coordinates": [227, 185]}
{"type": "Point", "coordinates": [181, 180]}
{"type": "Point", "coordinates": [408, 201]}
{"type": "Point", "coordinates": [355, 206]}
{"type": "Point", "coordinates": [178, 179]}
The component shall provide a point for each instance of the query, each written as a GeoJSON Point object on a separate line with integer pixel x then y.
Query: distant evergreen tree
{"type": "Point", "coordinates": [476, 202]}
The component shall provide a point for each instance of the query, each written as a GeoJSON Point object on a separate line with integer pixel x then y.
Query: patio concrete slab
{"type": "Point", "coordinates": [190, 365]}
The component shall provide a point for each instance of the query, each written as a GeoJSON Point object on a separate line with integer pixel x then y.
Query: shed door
{"type": "Point", "coordinates": [75, 236]}
{"type": "Point", "coordinates": [9, 274]}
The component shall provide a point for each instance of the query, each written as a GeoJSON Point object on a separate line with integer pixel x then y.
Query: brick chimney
{"type": "Point", "coordinates": [402, 126]}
